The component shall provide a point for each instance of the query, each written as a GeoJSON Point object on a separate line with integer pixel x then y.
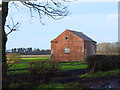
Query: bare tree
{"type": "Point", "coordinates": [108, 48]}
{"type": "Point", "coordinates": [52, 8]}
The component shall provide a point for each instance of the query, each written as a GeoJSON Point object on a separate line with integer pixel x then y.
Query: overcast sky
{"type": "Point", "coordinates": [98, 20]}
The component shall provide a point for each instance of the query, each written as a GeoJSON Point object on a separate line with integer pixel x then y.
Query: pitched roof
{"type": "Point", "coordinates": [81, 35]}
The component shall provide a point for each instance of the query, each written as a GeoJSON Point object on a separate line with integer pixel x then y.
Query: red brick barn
{"type": "Point", "coordinates": [72, 46]}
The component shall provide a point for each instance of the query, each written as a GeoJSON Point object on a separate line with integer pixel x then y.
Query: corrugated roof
{"type": "Point", "coordinates": [81, 35]}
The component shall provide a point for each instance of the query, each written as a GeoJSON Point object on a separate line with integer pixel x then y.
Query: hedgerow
{"type": "Point", "coordinates": [103, 62]}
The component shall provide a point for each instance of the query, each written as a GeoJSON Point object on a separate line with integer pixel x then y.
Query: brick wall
{"type": "Point", "coordinates": [88, 47]}
{"type": "Point", "coordinates": [74, 43]}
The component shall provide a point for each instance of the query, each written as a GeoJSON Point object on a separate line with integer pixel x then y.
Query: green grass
{"type": "Point", "coordinates": [19, 85]}
{"type": "Point", "coordinates": [17, 72]}
{"type": "Point", "coordinates": [101, 74]}
{"type": "Point", "coordinates": [19, 66]}
{"type": "Point", "coordinates": [71, 85]}
{"type": "Point", "coordinates": [73, 63]}
{"type": "Point", "coordinates": [34, 59]}
{"type": "Point", "coordinates": [50, 85]}
{"type": "Point", "coordinates": [69, 67]}
{"type": "Point", "coordinates": [25, 64]}
{"type": "Point", "coordinates": [41, 85]}
{"type": "Point", "coordinates": [64, 67]}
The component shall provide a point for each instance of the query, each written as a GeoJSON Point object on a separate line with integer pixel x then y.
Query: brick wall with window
{"type": "Point", "coordinates": [73, 45]}
{"type": "Point", "coordinates": [69, 47]}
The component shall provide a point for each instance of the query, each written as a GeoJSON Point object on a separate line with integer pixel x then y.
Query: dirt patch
{"type": "Point", "coordinates": [97, 82]}
{"type": "Point", "coordinates": [71, 76]}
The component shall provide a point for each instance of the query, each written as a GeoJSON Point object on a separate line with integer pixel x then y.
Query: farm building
{"type": "Point", "coordinates": [72, 46]}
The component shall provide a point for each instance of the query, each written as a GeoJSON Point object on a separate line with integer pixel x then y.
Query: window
{"type": "Point", "coordinates": [67, 38]}
{"type": "Point", "coordinates": [92, 49]}
{"type": "Point", "coordinates": [67, 50]}
{"type": "Point", "coordinates": [85, 52]}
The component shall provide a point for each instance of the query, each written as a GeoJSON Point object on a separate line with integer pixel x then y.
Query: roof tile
{"type": "Point", "coordinates": [81, 35]}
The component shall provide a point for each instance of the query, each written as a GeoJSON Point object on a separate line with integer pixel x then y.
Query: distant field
{"type": "Point", "coordinates": [35, 56]}
{"type": "Point", "coordinates": [28, 58]}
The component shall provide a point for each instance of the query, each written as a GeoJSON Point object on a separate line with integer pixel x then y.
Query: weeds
{"type": "Point", "coordinates": [13, 57]}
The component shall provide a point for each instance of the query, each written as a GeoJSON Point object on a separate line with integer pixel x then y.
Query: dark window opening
{"type": "Point", "coordinates": [67, 38]}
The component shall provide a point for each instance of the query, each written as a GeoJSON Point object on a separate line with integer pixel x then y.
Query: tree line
{"type": "Point", "coordinates": [29, 51]}
{"type": "Point", "coordinates": [108, 48]}
{"type": "Point", "coordinates": [102, 48]}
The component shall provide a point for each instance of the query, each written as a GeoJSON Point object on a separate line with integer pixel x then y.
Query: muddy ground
{"type": "Point", "coordinates": [96, 83]}
{"type": "Point", "coordinates": [72, 76]}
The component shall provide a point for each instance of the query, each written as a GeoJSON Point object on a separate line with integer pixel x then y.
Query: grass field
{"type": "Point", "coordinates": [73, 65]}
{"type": "Point", "coordinates": [70, 85]}
{"type": "Point", "coordinates": [34, 59]}
{"type": "Point", "coordinates": [26, 59]}
{"type": "Point", "coordinates": [29, 58]}
{"type": "Point", "coordinates": [64, 67]}
{"type": "Point", "coordinates": [50, 85]}
{"type": "Point", "coordinates": [35, 56]}
{"type": "Point", "coordinates": [101, 74]}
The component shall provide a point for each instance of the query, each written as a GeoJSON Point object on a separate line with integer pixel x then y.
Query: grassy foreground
{"type": "Point", "coordinates": [24, 62]}
{"type": "Point", "coordinates": [64, 67]}
{"type": "Point", "coordinates": [102, 74]}
{"type": "Point", "coordinates": [50, 85]}
{"type": "Point", "coordinates": [71, 85]}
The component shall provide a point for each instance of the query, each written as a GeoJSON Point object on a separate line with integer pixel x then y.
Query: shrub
{"type": "Point", "coordinates": [103, 62]}
{"type": "Point", "coordinates": [45, 70]}
{"type": "Point", "coordinates": [114, 61]}
{"type": "Point", "coordinates": [42, 67]}
{"type": "Point", "coordinates": [13, 57]}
